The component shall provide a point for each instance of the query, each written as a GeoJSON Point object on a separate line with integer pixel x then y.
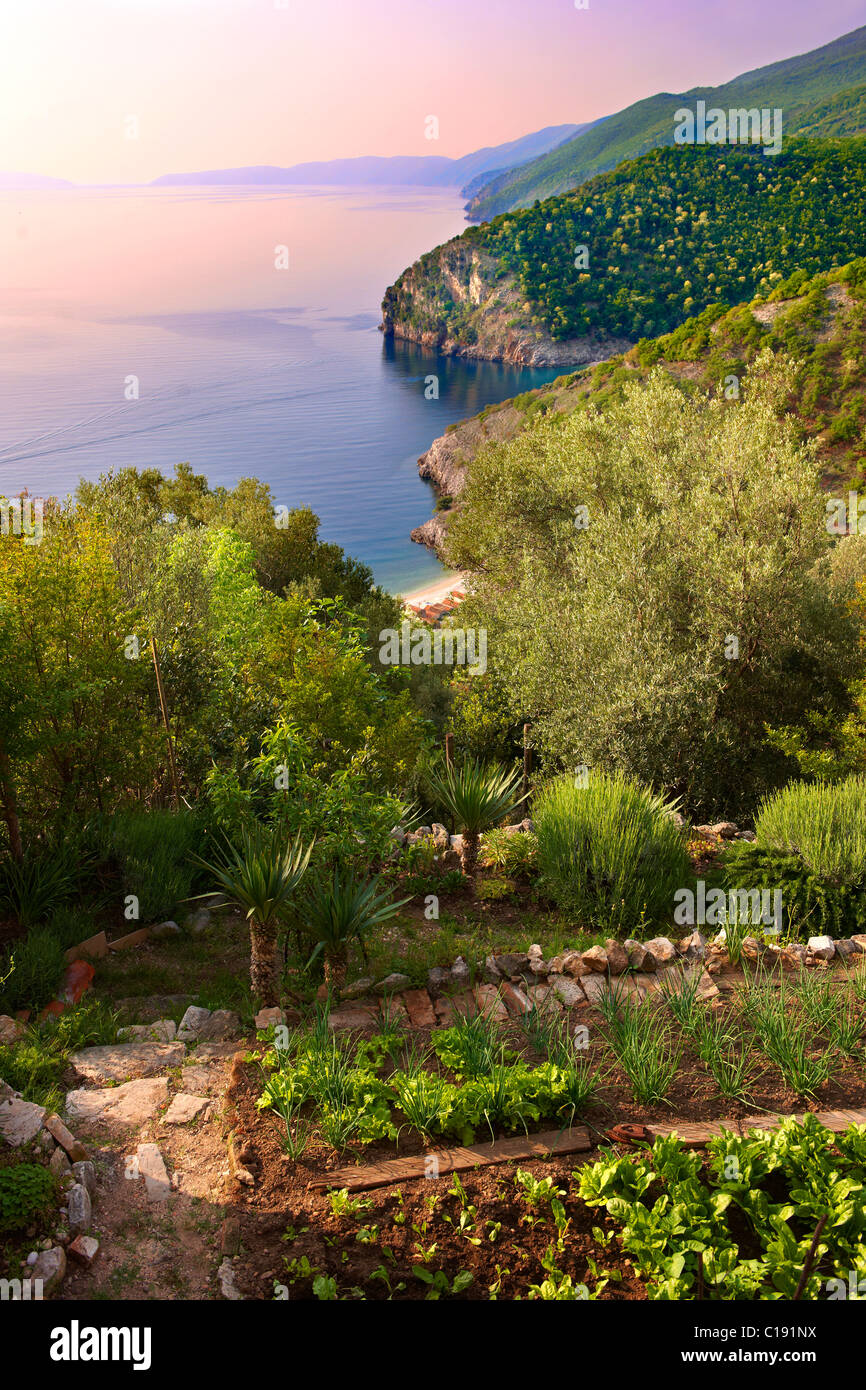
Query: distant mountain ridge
{"type": "Point", "coordinates": [431, 171]}
{"type": "Point", "coordinates": [32, 181]}
{"type": "Point", "coordinates": [798, 85]}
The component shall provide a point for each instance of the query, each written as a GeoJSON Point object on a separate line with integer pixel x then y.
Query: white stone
{"type": "Point", "coordinates": [226, 1277]}
{"type": "Point", "coordinates": [20, 1121]}
{"type": "Point", "coordinates": [567, 989]}
{"type": "Point", "coordinates": [822, 947]}
{"type": "Point", "coordinates": [151, 1167]}
{"type": "Point", "coordinates": [184, 1108]}
{"type": "Point", "coordinates": [79, 1209]}
{"type": "Point", "coordinates": [50, 1267]}
{"type": "Point", "coordinates": [661, 949]}
{"type": "Point", "coordinates": [192, 1023]}
{"type": "Point", "coordinates": [125, 1061]}
{"type": "Point", "coordinates": [130, 1104]}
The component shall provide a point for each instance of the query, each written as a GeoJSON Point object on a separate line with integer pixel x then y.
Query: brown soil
{"type": "Point", "coordinates": [281, 1222]}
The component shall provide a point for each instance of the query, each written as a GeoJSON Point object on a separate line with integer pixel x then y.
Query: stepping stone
{"type": "Point", "coordinates": [120, 1061]}
{"type": "Point", "coordinates": [202, 1080]}
{"type": "Point", "coordinates": [151, 1167]}
{"type": "Point", "coordinates": [20, 1121]}
{"type": "Point", "coordinates": [184, 1108]}
{"type": "Point", "coordinates": [421, 1012]}
{"type": "Point", "coordinates": [130, 1104]}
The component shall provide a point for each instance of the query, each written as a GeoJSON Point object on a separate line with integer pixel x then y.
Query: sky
{"type": "Point", "coordinates": [121, 91]}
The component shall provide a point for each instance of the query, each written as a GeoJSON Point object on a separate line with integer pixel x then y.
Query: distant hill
{"type": "Point", "coordinates": [430, 170]}
{"type": "Point", "coordinates": [659, 239]}
{"type": "Point", "coordinates": [32, 181]}
{"type": "Point", "coordinates": [794, 84]}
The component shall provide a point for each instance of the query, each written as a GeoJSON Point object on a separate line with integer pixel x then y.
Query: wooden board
{"type": "Point", "coordinates": [441, 1161]}
{"type": "Point", "coordinates": [696, 1136]}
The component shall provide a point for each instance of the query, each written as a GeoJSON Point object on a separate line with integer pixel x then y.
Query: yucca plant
{"type": "Point", "coordinates": [259, 874]}
{"type": "Point", "coordinates": [477, 796]}
{"type": "Point", "coordinates": [344, 909]}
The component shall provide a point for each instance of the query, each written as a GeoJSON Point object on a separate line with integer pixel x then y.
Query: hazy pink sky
{"type": "Point", "coordinates": [229, 82]}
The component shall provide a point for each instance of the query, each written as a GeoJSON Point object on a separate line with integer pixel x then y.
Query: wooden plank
{"type": "Point", "coordinates": [94, 947]}
{"type": "Point", "coordinates": [696, 1136]}
{"type": "Point", "coordinates": [133, 938]}
{"type": "Point", "coordinates": [456, 1160]}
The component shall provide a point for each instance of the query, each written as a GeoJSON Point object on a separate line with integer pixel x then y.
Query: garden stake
{"type": "Point", "coordinates": [810, 1258]}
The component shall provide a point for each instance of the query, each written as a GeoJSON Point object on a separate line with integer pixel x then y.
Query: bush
{"type": "Point", "coordinates": [810, 906]}
{"type": "Point", "coordinates": [32, 890]}
{"type": "Point", "coordinates": [27, 1193]}
{"type": "Point", "coordinates": [609, 851]}
{"type": "Point", "coordinates": [516, 854]}
{"type": "Point", "coordinates": [151, 850]}
{"type": "Point", "coordinates": [35, 1064]}
{"type": "Point", "coordinates": [823, 824]}
{"type": "Point", "coordinates": [37, 964]}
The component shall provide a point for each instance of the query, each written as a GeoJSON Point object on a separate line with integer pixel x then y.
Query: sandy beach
{"type": "Point", "coordinates": [435, 593]}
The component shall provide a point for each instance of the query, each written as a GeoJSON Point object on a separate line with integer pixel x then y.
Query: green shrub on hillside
{"type": "Point", "coordinates": [821, 823]}
{"type": "Point", "coordinates": [151, 850]}
{"type": "Point", "coordinates": [609, 851]}
{"type": "Point", "coordinates": [664, 590]}
{"type": "Point", "coordinates": [35, 967]}
{"type": "Point", "coordinates": [28, 1193]}
{"type": "Point", "coordinates": [811, 906]}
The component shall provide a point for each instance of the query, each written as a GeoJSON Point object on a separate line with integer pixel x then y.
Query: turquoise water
{"type": "Point", "coordinates": [149, 327]}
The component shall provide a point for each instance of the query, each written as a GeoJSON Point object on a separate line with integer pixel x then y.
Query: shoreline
{"type": "Point", "coordinates": [435, 592]}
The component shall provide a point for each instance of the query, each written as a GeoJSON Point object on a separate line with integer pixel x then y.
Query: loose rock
{"type": "Point", "coordinates": [84, 1249]}
{"type": "Point", "coordinates": [50, 1268]}
{"type": "Point", "coordinates": [20, 1121]}
{"type": "Point", "coordinates": [80, 1209]}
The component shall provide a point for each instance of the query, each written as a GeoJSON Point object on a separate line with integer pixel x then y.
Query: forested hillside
{"type": "Point", "coordinates": [640, 249]}
{"type": "Point", "coordinates": [794, 84]}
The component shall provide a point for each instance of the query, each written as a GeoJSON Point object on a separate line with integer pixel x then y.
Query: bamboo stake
{"type": "Point", "coordinates": [163, 706]}
{"type": "Point", "coordinates": [527, 765]}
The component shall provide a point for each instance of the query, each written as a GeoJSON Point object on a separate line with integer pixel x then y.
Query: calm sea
{"type": "Point", "coordinates": [240, 368]}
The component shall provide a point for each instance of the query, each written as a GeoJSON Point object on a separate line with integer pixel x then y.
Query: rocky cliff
{"type": "Point", "coordinates": [458, 300]}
